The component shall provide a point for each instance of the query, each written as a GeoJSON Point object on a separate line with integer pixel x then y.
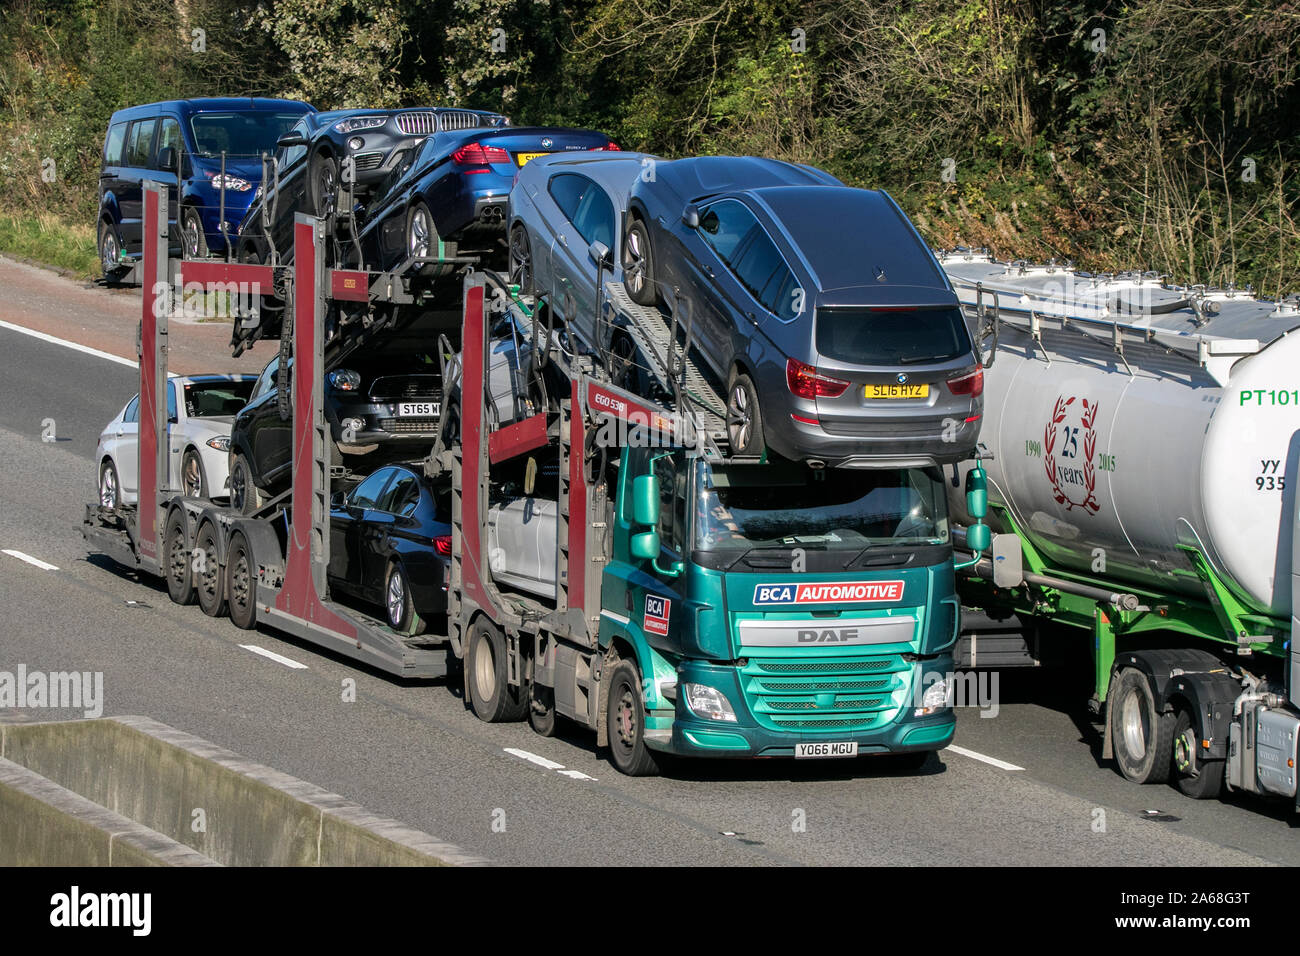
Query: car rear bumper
{"type": "Point", "coordinates": [794, 429]}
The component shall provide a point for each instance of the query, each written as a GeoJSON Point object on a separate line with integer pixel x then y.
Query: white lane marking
{"type": "Point", "coordinates": [546, 763]}
{"type": "Point", "coordinates": [533, 758]}
{"type": "Point", "coordinates": [75, 346]}
{"type": "Point", "coordinates": [30, 560]}
{"type": "Point", "coordinates": [279, 659]}
{"type": "Point", "coordinates": [1000, 764]}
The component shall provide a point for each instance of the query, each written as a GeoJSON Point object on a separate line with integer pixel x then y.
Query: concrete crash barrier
{"type": "Point", "coordinates": [188, 801]}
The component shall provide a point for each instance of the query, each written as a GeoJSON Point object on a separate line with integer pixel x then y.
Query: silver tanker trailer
{"type": "Point", "coordinates": [1143, 452]}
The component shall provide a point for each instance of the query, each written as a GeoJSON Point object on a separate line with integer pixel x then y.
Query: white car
{"type": "Point", "coordinates": [198, 434]}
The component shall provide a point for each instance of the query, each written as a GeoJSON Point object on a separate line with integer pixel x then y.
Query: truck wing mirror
{"type": "Point", "coordinates": [645, 546]}
{"type": "Point", "coordinates": [645, 502]}
{"type": "Point", "coordinates": [167, 159]}
{"type": "Point", "coordinates": [977, 494]}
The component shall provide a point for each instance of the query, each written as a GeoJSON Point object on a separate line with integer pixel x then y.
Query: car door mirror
{"type": "Point", "coordinates": [168, 160]}
{"type": "Point", "coordinates": [291, 139]}
{"type": "Point", "coordinates": [600, 256]}
{"type": "Point", "coordinates": [691, 216]}
{"type": "Point", "coordinates": [339, 500]}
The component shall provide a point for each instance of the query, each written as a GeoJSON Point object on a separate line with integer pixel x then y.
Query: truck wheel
{"type": "Point", "coordinates": [244, 496]}
{"type": "Point", "coordinates": [401, 607]}
{"type": "Point", "coordinates": [211, 582]}
{"type": "Point", "coordinates": [1142, 737]}
{"type": "Point", "coordinates": [744, 420]}
{"type": "Point", "coordinates": [626, 723]}
{"type": "Point", "coordinates": [638, 264]}
{"type": "Point", "coordinates": [1196, 778]}
{"type": "Point", "coordinates": [193, 481]}
{"type": "Point", "coordinates": [241, 583]}
{"type": "Point", "coordinates": [490, 693]}
{"type": "Point", "coordinates": [541, 710]}
{"type": "Point", "coordinates": [180, 575]}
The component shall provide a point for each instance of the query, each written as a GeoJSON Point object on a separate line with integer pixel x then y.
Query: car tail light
{"type": "Point", "coordinates": [610, 146]}
{"type": "Point", "coordinates": [972, 384]}
{"type": "Point", "coordinates": [442, 544]}
{"type": "Point", "coordinates": [476, 154]}
{"type": "Point", "coordinates": [804, 381]}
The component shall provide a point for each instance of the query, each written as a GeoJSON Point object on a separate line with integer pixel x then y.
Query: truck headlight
{"type": "Point", "coordinates": [935, 698]}
{"type": "Point", "coordinates": [708, 702]}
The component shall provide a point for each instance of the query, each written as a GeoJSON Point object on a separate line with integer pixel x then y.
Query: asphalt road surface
{"type": "Point", "coordinates": [1024, 787]}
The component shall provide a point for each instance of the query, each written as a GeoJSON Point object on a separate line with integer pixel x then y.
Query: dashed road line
{"type": "Point", "coordinates": [994, 761]}
{"type": "Point", "coordinates": [37, 562]}
{"type": "Point", "coordinates": [546, 763]}
{"type": "Point", "coordinates": [278, 658]}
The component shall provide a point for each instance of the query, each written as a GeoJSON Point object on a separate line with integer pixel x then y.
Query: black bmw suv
{"type": "Point", "coordinates": [383, 407]}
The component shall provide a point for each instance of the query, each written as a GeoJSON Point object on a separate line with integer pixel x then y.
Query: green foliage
{"type": "Point", "coordinates": [1155, 133]}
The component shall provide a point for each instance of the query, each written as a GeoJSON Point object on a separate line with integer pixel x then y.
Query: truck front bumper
{"type": "Point", "coordinates": [685, 734]}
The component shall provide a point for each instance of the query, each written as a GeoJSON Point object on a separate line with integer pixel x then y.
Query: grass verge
{"type": "Point", "coordinates": [49, 240]}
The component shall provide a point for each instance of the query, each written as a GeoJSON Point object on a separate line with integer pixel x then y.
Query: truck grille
{"type": "Point", "coordinates": [391, 388]}
{"type": "Point", "coordinates": [409, 426]}
{"type": "Point", "coordinates": [825, 693]}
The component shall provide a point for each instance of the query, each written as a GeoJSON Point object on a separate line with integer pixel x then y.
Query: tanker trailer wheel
{"type": "Point", "coordinates": [490, 693]}
{"type": "Point", "coordinates": [1197, 778]}
{"type": "Point", "coordinates": [210, 582]}
{"type": "Point", "coordinates": [180, 574]}
{"type": "Point", "coordinates": [1142, 737]}
{"type": "Point", "coordinates": [241, 583]}
{"type": "Point", "coordinates": [626, 723]}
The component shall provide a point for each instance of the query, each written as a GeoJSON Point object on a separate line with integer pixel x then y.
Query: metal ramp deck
{"type": "Point", "coordinates": [672, 369]}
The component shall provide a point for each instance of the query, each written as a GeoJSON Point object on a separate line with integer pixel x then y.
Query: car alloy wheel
{"type": "Point", "coordinates": [108, 489]}
{"type": "Point", "coordinates": [739, 419]}
{"type": "Point", "coordinates": [396, 600]}
{"type": "Point", "coordinates": [521, 260]}
{"type": "Point", "coordinates": [637, 264]}
{"type": "Point", "coordinates": [420, 235]}
{"type": "Point", "coordinates": [108, 249]}
{"type": "Point", "coordinates": [192, 475]}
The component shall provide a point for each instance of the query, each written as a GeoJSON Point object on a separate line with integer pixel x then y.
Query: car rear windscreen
{"type": "Point", "coordinates": [892, 336]}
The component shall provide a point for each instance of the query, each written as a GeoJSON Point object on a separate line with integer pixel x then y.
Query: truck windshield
{"type": "Point", "coordinates": [740, 507]}
{"type": "Point", "coordinates": [243, 133]}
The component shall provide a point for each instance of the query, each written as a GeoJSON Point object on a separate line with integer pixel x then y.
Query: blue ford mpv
{"type": "Point", "coordinates": [183, 144]}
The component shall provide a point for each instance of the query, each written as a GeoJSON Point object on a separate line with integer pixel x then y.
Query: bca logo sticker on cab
{"type": "Point", "coordinates": [833, 592]}
{"type": "Point", "coordinates": [657, 610]}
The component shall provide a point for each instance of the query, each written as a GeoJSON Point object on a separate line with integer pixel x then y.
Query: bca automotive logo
{"type": "Point", "coordinates": [828, 592]}
{"type": "Point", "coordinates": [657, 610]}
